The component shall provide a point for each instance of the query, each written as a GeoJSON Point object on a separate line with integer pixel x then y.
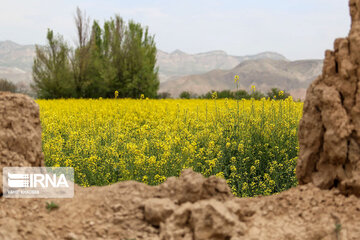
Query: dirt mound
{"type": "Point", "coordinates": [329, 134]}
{"type": "Point", "coordinates": [20, 135]}
{"type": "Point", "coordinates": [193, 187]}
{"type": "Point", "coordinates": [132, 210]}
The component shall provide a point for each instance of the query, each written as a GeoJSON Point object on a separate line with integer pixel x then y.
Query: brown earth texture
{"type": "Point", "coordinates": [326, 204]}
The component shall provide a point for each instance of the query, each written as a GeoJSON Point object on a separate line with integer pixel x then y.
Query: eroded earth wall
{"type": "Point", "coordinates": [20, 132]}
{"type": "Point", "coordinates": [329, 132]}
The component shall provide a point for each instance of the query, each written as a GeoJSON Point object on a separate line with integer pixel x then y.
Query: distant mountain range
{"type": "Point", "coordinates": [264, 73]}
{"type": "Point", "coordinates": [16, 61]}
{"type": "Point", "coordinates": [199, 73]}
{"type": "Point", "coordinates": [178, 63]}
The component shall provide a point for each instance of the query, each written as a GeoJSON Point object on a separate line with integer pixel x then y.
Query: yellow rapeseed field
{"type": "Point", "coordinates": [252, 144]}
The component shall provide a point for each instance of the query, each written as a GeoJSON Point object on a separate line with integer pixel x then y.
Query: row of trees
{"type": "Point", "coordinates": [7, 86]}
{"type": "Point", "coordinates": [274, 93]}
{"type": "Point", "coordinates": [116, 57]}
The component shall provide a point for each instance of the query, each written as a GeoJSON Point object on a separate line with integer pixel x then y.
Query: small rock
{"type": "Point", "coordinates": [71, 236]}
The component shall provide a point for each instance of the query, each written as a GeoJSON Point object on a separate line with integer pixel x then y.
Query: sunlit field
{"type": "Point", "coordinates": [252, 144]}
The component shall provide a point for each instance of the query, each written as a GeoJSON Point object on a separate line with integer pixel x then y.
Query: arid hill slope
{"type": "Point", "coordinates": [263, 73]}
{"type": "Point", "coordinates": [176, 64]}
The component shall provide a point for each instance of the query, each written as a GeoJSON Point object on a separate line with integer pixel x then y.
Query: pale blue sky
{"type": "Point", "coordinates": [298, 29]}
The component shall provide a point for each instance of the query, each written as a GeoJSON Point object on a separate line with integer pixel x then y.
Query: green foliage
{"type": "Point", "coordinates": [7, 86]}
{"type": "Point", "coordinates": [51, 206]}
{"type": "Point", "coordinates": [241, 94]}
{"type": "Point", "coordinates": [225, 94]}
{"type": "Point", "coordinates": [52, 73]}
{"type": "Point", "coordinates": [185, 95]}
{"type": "Point", "coordinates": [139, 74]}
{"type": "Point", "coordinates": [207, 95]}
{"type": "Point", "coordinates": [256, 95]}
{"type": "Point", "coordinates": [252, 144]}
{"type": "Point", "coordinates": [276, 93]}
{"type": "Point", "coordinates": [337, 230]}
{"type": "Point", "coordinates": [164, 95]}
{"type": "Point", "coordinates": [118, 57]}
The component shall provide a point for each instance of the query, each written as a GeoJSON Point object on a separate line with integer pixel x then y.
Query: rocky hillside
{"type": "Point", "coordinates": [16, 61]}
{"type": "Point", "coordinates": [177, 64]}
{"type": "Point", "coordinates": [263, 73]}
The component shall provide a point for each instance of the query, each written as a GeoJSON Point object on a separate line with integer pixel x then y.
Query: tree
{"type": "Point", "coordinates": [117, 57]}
{"type": "Point", "coordinates": [164, 95]}
{"type": "Point", "coordinates": [225, 94]}
{"type": "Point", "coordinates": [240, 94]}
{"type": "Point", "coordinates": [7, 86]}
{"type": "Point", "coordinates": [121, 58]}
{"type": "Point", "coordinates": [207, 95]}
{"type": "Point", "coordinates": [185, 95]}
{"type": "Point", "coordinates": [52, 73]}
{"type": "Point", "coordinates": [276, 93]}
{"type": "Point", "coordinates": [81, 56]}
{"type": "Point", "coordinates": [139, 74]}
{"type": "Point", "coordinates": [100, 72]}
{"type": "Point", "coordinates": [257, 95]}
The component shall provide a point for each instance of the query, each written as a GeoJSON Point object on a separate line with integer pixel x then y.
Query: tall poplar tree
{"type": "Point", "coordinates": [118, 57]}
{"type": "Point", "coordinates": [52, 73]}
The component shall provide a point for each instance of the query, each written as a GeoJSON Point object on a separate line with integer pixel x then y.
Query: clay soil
{"type": "Point", "coordinates": [188, 207]}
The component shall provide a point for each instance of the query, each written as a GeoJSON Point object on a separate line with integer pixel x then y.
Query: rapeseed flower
{"type": "Point", "coordinates": [236, 78]}
{"type": "Point", "coordinates": [252, 142]}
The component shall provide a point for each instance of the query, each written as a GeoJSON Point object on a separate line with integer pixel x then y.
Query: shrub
{"type": "Point", "coordinates": [164, 95]}
{"type": "Point", "coordinates": [185, 95]}
{"type": "Point", "coordinates": [7, 86]}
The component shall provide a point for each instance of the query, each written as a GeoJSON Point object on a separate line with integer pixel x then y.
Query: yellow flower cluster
{"type": "Point", "coordinates": [252, 144]}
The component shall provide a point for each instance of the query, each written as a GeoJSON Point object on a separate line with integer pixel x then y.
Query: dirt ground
{"type": "Point", "coordinates": [188, 207]}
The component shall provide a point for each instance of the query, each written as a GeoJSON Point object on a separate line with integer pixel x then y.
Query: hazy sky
{"type": "Point", "coordinates": [298, 29]}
